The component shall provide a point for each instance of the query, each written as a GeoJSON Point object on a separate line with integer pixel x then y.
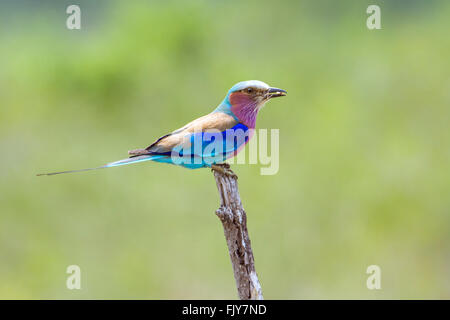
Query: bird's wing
{"type": "Point", "coordinates": [214, 121]}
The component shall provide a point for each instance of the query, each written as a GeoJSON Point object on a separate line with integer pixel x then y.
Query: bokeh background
{"type": "Point", "coordinates": [364, 148]}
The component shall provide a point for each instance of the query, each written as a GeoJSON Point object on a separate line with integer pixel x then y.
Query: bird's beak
{"type": "Point", "coordinates": [275, 92]}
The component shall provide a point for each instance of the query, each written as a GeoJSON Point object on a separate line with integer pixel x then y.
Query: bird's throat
{"type": "Point", "coordinates": [245, 109]}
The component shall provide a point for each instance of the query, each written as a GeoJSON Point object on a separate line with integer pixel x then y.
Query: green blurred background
{"type": "Point", "coordinates": [364, 148]}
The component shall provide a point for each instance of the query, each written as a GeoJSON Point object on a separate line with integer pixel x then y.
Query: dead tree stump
{"type": "Point", "coordinates": [234, 221]}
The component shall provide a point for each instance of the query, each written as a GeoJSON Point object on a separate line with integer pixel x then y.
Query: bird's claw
{"type": "Point", "coordinates": [224, 168]}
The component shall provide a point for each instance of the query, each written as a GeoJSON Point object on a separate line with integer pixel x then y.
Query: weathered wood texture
{"type": "Point", "coordinates": [234, 221]}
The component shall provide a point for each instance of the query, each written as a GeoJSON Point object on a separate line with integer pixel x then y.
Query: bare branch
{"type": "Point", "coordinates": [234, 221]}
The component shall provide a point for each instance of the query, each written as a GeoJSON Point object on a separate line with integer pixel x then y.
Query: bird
{"type": "Point", "coordinates": [210, 140]}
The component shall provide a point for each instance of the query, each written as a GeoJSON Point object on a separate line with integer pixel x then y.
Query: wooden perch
{"type": "Point", "coordinates": [234, 221]}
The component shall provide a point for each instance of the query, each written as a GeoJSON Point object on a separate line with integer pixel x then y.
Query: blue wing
{"type": "Point", "coordinates": [207, 148]}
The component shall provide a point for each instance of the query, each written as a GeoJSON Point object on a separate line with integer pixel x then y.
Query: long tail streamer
{"type": "Point", "coordinates": [109, 165]}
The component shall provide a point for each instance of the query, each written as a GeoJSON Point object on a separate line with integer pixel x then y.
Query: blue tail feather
{"type": "Point", "coordinates": [132, 160]}
{"type": "Point", "coordinates": [111, 164]}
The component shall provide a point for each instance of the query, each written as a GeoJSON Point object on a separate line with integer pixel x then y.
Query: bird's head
{"type": "Point", "coordinates": [246, 98]}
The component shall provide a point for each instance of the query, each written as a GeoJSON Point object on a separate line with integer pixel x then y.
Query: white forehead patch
{"type": "Point", "coordinates": [250, 83]}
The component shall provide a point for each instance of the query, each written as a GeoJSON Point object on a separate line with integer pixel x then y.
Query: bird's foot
{"type": "Point", "coordinates": [224, 168]}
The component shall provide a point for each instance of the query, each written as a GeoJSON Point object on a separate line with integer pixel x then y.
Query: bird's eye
{"type": "Point", "coordinates": [249, 90]}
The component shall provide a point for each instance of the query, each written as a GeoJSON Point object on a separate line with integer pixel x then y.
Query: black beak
{"type": "Point", "coordinates": [275, 92]}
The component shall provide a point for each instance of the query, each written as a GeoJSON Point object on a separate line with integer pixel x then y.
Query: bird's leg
{"type": "Point", "coordinates": [224, 168]}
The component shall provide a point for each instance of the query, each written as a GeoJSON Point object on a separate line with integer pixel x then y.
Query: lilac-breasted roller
{"type": "Point", "coordinates": [211, 139]}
